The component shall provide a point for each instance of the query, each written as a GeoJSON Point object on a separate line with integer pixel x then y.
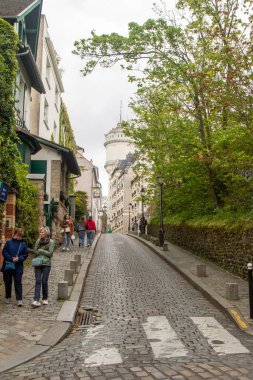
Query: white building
{"type": "Point", "coordinates": [118, 146]}
{"type": "Point", "coordinates": [89, 182]}
{"type": "Point", "coordinates": [45, 108]}
{"type": "Point", "coordinates": [120, 192]}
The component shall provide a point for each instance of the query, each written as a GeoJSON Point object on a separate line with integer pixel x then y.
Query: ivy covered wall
{"type": "Point", "coordinates": [66, 134]}
{"type": "Point", "coordinates": [12, 170]}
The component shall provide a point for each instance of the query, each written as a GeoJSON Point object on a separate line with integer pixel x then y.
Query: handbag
{"type": "Point", "coordinates": [66, 229]}
{"type": "Point", "coordinates": [10, 265]}
{"type": "Point", "coordinates": [37, 261]}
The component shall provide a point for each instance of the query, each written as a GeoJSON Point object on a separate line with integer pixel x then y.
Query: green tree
{"type": "Point", "coordinates": [194, 100]}
{"type": "Point", "coordinates": [81, 204]}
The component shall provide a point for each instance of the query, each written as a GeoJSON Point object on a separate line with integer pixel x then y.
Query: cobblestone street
{"type": "Point", "coordinates": [151, 324]}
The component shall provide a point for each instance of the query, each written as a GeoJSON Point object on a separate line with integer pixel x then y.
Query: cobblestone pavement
{"type": "Point", "coordinates": [131, 287]}
{"type": "Point", "coordinates": [22, 327]}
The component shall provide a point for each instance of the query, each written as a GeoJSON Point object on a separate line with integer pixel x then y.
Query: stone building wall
{"type": "Point", "coordinates": [8, 221]}
{"type": "Point", "coordinates": [55, 179]}
{"type": "Point", "coordinates": [231, 250]}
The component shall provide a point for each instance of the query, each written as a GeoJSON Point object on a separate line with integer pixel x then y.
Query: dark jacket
{"type": "Point", "coordinates": [11, 249]}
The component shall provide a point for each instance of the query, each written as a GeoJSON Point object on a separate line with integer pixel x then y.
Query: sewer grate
{"type": "Point", "coordinates": [85, 318]}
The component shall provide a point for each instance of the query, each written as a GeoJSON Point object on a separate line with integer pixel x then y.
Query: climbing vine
{"type": "Point", "coordinates": [66, 134]}
{"type": "Point", "coordinates": [12, 171]}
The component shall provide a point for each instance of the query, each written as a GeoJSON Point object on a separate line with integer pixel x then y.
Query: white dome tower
{"type": "Point", "coordinates": [117, 147]}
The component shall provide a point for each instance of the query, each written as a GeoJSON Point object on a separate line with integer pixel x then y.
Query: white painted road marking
{"type": "Point", "coordinates": [100, 355]}
{"type": "Point", "coordinates": [219, 339]}
{"type": "Point", "coordinates": [163, 339]}
{"type": "Point", "coordinates": [104, 356]}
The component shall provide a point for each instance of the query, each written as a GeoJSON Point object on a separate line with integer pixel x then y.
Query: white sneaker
{"type": "Point", "coordinates": [36, 304]}
{"type": "Point", "coordinates": [63, 248]}
{"type": "Point", "coordinates": [7, 300]}
{"type": "Point", "coordinates": [67, 249]}
{"type": "Point", "coordinates": [45, 302]}
{"type": "Point", "coordinates": [19, 303]}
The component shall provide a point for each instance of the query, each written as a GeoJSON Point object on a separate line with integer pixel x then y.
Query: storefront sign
{"type": "Point", "coordinates": [4, 188]}
{"type": "Point", "coordinates": [96, 192]}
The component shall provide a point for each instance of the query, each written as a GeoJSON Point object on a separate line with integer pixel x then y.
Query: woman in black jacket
{"type": "Point", "coordinates": [14, 251]}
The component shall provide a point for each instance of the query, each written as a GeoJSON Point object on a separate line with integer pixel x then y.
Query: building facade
{"type": "Point", "coordinates": [118, 146]}
{"type": "Point", "coordinates": [45, 108]}
{"type": "Point", "coordinates": [89, 182]}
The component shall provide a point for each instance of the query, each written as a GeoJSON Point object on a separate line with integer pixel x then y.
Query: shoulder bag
{"type": "Point", "coordinates": [10, 265]}
{"type": "Point", "coordinates": [37, 261]}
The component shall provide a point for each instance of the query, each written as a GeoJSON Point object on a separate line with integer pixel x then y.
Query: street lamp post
{"type": "Point", "coordinates": [129, 208]}
{"type": "Point", "coordinates": [142, 221]}
{"type": "Point", "coordinates": [161, 229]}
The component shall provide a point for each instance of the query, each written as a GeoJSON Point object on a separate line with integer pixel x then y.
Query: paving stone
{"type": "Point", "coordinates": [126, 284]}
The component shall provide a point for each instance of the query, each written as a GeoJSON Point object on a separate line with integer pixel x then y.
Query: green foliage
{"type": "Point", "coordinates": [8, 67]}
{"type": "Point", "coordinates": [193, 107]}
{"type": "Point", "coordinates": [27, 206]}
{"type": "Point", "coordinates": [12, 170]}
{"type": "Point", "coordinates": [66, 134]}
{"type": "Point", "coordinates": [81, 204]}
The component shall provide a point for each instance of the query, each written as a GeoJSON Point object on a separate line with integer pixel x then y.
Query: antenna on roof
{"type": "Point", "coordinates": [120, 115]}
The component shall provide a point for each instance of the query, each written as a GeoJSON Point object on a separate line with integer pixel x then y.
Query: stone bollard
{"type": "Point", "coordinates": [165, 246]}
{"type": "Point", "coordinates": [68, 276]}
{"type": "Point", "coordinates": [201, 270]}
{"type": "Point", "coordinates": [232, 291]}
{"type": "Point", "coordinates": [74, 266]}
{"type": "Point", "coordinates": [78, 259]}
{"type": "Point", "coordinates": [63, 290]}
{"type": "Point", "coordinates": [157, 242]}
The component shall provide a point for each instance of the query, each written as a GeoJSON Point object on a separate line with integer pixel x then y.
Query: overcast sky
{"type": "Point", "coordinates": [93, 102]}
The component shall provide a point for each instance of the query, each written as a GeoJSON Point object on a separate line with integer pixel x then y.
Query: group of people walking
{"type": "Point", "coordinates": [69, 226]}
{"type": "Point", "coordinates": [15, 253]}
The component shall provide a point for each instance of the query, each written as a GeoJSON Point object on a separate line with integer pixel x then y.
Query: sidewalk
{"type": "Point", "coordinates": [26, 332]}
{"type": "Point", "coordinates": [213, 286]}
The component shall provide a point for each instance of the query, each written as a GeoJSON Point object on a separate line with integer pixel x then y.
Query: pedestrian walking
{"type": "Point", "coordinates": [81, 231]}
{"type": "Point", "coordinates": [14, 253]}
{"type": "Point", "coordinates": [67, 231]}
{"type": "Point", "coordinates": [44, 248]}
{"type": "Point", "coordinates": [90, 227]}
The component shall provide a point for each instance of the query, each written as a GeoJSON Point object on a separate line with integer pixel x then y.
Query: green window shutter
{"type": "Point", "coordinates": [39, 167]}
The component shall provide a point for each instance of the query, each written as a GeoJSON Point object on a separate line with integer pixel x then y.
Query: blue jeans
{"type": "Point", "coordinates": [41, 279]}
{"type": "Point", "coordinates": [81, 235]}
{"type": "Point", "coordinates": [90, 237]}
{"type": "Point", "coordinates": [66, 240]}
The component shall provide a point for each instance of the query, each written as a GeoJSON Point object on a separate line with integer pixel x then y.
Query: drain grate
{"type": "Point", "coordinates": [84, 318]}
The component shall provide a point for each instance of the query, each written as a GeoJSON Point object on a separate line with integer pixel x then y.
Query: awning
{"type": "Point", "coordinates": [26, 57]}
{"type": "Point", "coordinates": [29, 139]}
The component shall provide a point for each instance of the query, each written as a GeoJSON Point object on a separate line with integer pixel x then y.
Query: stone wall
{"type": "Point", "coordinates": [55, 179]}
{"type": "Point", "coordinates": [231, 250]}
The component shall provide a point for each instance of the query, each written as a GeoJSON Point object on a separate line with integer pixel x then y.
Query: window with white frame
{"type": "Point", "coordinates": [48, 72]}
{"type": "Point", "coordinates": [46, 108]}
{"type": "Point", "coordinates": [56, 98]}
